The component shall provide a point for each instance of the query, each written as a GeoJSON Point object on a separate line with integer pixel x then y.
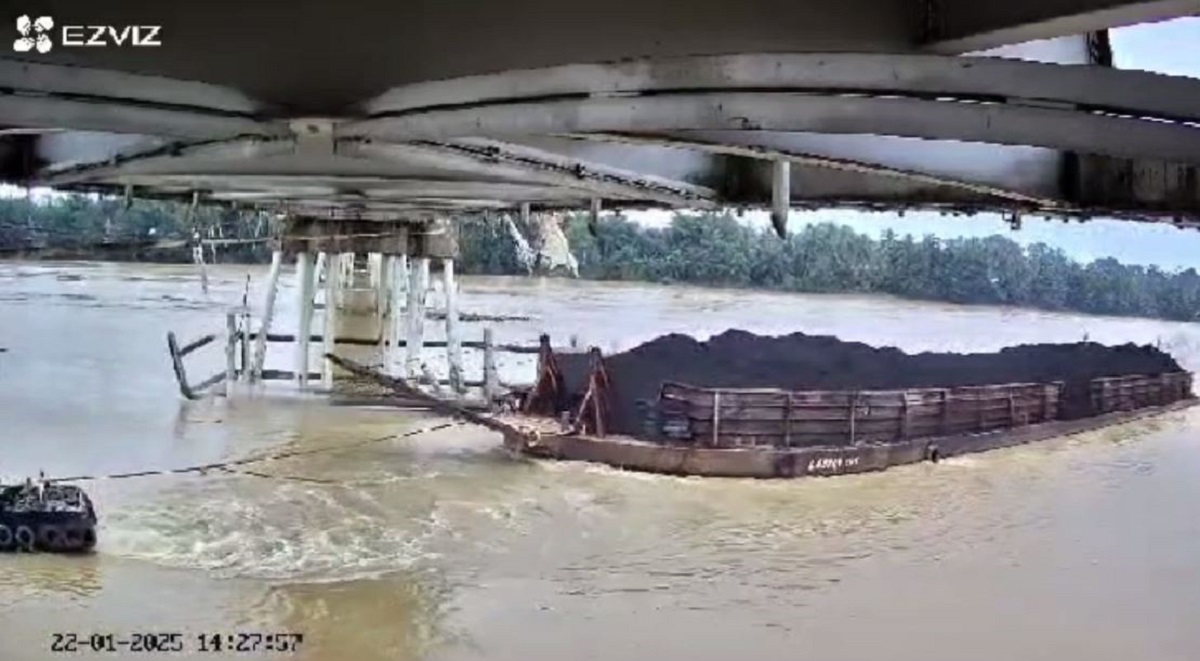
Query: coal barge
{"type": "Point", "coordinates": [53, 518]}
{"type": "Point", "coordinates": [743, 405]}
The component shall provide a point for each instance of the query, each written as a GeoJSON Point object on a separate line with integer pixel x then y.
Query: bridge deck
{"type": "Point", "coordinates": [431, 110]}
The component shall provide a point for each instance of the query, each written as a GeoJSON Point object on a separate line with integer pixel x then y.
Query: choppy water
{"type": "Point", "coordinates": [441, 547]}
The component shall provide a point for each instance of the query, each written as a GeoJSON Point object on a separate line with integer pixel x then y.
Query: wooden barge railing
{"type": "Point", "coordinates": [1127, 393]}
{"type": "Point", "coordinates": [726, 417]}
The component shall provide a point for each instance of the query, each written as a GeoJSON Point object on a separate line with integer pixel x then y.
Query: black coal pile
{"type": "Point", "coordinates": [737, 359]}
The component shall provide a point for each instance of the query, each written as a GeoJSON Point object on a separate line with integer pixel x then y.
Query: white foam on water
{"type": "Point", "coordinates": [296, 533]}
{"type": "Point", "coordinates": [962, 462]}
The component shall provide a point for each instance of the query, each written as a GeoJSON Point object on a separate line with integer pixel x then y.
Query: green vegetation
{"type": "Point", "coordinates": [706, 249]}
{"type": "Point", "coordinates": [714, 249]}
{"type": "Point", "coordinates": [81, 226]}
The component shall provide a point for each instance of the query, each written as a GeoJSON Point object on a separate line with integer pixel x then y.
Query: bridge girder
{"type": "Point", "coordinates": [885, 127]}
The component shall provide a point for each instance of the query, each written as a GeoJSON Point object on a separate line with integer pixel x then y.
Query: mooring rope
{"type": "Point", "coordinates": [228, 466]}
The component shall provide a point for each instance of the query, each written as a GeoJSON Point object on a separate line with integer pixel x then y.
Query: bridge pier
{"type": "Point", "coordinates": [333, 304]}
{"type": "Point", "coordinates": [453, 340]}
{"type": "Point", "coordinates": [393, 331]}
{"type": "Point", "coordinates": [399, 260]}
{"type": "Point", "coordinates": [305, 281]}
{"type": "Point", "coordinates": [418, 295]}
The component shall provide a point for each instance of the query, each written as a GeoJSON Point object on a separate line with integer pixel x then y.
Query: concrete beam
{"type": "Point", "coordinates": [493, 161]}
{"type": "Point", "coordinates": [313, 235]}
{"type": "Point", "coordinates": [266, 186]}
{"type": "Point", "coordinates": [992, 123]}
{"type": "Point", "coordinates": [40, 78]}
{"type": "Point", "coordinates": [274, 57]}
{"type": "Point", "coordinates": [757, 145]}
{"type": "Point", "coordinates": [1110, 90]}
{"type": "Point", "coordinates": [120, 117]}
{"type": "Point", "coordinates": [117, 168]}
{"type": "Point", "coordinates": [636, 185]}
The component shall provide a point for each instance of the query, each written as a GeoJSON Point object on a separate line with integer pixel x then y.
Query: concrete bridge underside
{"type": "Point", "coordinates": [421, 109]}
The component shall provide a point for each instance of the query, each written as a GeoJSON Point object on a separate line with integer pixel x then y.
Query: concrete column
{"type": "Point", "coordinates": [384, 304]}
{"type": "Point", "coordinates": [395, 327]}
{"type": "Point", "coordinates": [383, 299]}
{"type": "Point", "coordinates": [375, 262]}
{"type": "Point", "coordinates": [347, 263]}
{"type": "Point", "coordinates": [305, 272]}
{"type": "Point", "coordinates": [260, 344]}
{"type": "Point", "coordinates": [418, 284]}
{"type": "Point", "coordinates": [321, 268]}
{"type": "Point", "coordinates": [453, 340]}
{"type": "Point", "coordinates": [491, 376]}
{"type": "Point", "coordinates": [333, 283]}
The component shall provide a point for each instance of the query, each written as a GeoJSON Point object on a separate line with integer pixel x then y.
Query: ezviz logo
{"type": "Point", "coordinates": [38, 34]}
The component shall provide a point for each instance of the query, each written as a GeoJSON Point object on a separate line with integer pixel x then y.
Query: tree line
{"type": "Point", "coordinates": [697, 248]}
{"type": "Point", "coordinates": [91, 226]}
{"type": "Point", "coordinates": [715, 249]}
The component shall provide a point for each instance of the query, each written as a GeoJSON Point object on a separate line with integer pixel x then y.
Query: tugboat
{"type": "Point", "coordinates": [47, 517]}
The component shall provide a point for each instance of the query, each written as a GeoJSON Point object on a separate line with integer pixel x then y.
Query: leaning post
{"type": "Point", "coordinates": [491, 376]}
{"type": "Point", "coordinates": [231, 337]}
{"type": "Point", "coordinates": [260, 343]}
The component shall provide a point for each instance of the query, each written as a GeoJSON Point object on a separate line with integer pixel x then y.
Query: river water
{"type": "Point", "coordinates": [441, 547]}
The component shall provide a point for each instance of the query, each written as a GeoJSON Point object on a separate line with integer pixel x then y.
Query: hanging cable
{"type": "Point", "coordinates": [203, 469]}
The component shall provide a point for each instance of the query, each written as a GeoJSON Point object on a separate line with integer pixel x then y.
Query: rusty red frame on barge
{"type": "Point", "coordinates": [772, 433]}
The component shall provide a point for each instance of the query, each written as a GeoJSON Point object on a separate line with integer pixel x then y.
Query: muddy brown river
{"type": "Point", "coordinates": [441, 547]}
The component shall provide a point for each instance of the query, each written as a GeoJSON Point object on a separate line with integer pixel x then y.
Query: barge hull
{"type": "Point", "coordinates": [760, 462]}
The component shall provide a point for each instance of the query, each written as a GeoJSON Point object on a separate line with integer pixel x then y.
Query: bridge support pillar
{"type": "Point", "coordinates": [418, 291]}
{"type": "Point", "coordinates": [305, 276]}
{"type": "Point", "coordinates": [333, 304]}
{"type": "Point", "coordinates": [399, 255]}
{"type": "Point", "coordinates": [375, 266]}
{"type": "Point", "coordinates": [346, 263]}
{"type": "Point", "coordinates": [383, 304]}
{"type": "Point", "coordinates": [398, 274]}
{"type": "Point", "coordinates": [321, 269]}
{"type": "Point", "coordinates": [453, 340]}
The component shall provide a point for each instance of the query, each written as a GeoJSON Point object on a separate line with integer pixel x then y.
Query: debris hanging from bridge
{"type": "Point", "coordinates": [739, 359]}
{"type": "Point", "coordinates": [553, 251]}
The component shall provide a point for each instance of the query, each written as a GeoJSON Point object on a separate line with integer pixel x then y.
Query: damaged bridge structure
{"type": "Point", "coordinates": [371, 126]}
